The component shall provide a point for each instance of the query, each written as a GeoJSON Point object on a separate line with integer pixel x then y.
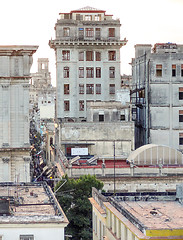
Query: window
{"type": "Point", "coordinates": [81, 105]}
{"type": "Point", "coordinates": [81, 56]}
{"type": "Point", "coordinates": [65, 55]}
{"type": "Point", "coordinates": [112, 72]}
{"type": "Point", "coordinates": [111, 88]}
{"type": "Point", "coordinates": [26, 237]}
{"type": "Point", "coordinates": [88, 17]}
{"type": "Point", "coordinates": [159, 70]}
{"type": "Point", "coordinates": [66, 105]}
{"type": "Point", "coordinates": [81, 33]}
{"type": "Point", "coordinates": [98, 88]}
{"type": "Point", "coordinates": [66, 88]}
{"type": "Point", "coordinates": [66, 72]}
{"type": "Point", "coordinates": [98, 72]}
{"type": "Point", "coordinates": [115, 227]}
{"type": "Point", "coordinates": [81, 72]}
{"type": "Point", "coordinates": [89, 32]}
{"type": "Point", "coordinates": [111, 32]}
{"type": "Point", "coordinates": [180, 138]}
{"type": "Point", "coordinates": [77, 16]}
{"type": "Point", "coordinates": [51, 141]}
{"type": "Point", "coordinates": [173, 70]}
{"type": "Point", "coordinates": [110, 220]}
{"type": "Point", "coordinates": [180, 115]}
{"type": "Point", "coordinates": [66, 32]}
{"type": "Point", "coordinates": [89, 88]}
{"type": "Point", "coordinates": [181, 70]}
{"type": "Point", "coordinates": [181, 93]}
{"type": "Point", "coordinates": [122, 117]}
{"type": "Point", "coordinates": [98, 56]}
{"type": "Point", "coordinates": [97, 33]}
{"type": "Point", "coordinates": [66, 16]}
{"type": "Point", "coordinates": [81, 88]}
{"type": "Point", "coordinates": [119, 229]}
{"type": "Point", "coordinates": [112, 55]}
{"type": "Point", "coordinates": [101, 117]}
{"type": "Point", "coordinates": [98, 17]}
{"type": "Point", "coordinates": [89, 55]}
{"type": "Point", "coordinates": [89, 72]}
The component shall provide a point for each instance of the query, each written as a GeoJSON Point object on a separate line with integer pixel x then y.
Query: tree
{"type": "Point", "coordinates": [73, 197]}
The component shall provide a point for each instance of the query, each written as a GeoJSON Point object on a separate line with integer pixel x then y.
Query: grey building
{"type": "Point", "coordinates": [87, 48]}
{"type": "Point", "coordinates": [15, 64]}
{"type": "Point", "coordinates": [157, 94]}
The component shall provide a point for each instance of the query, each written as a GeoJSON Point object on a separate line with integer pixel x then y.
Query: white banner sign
{"type": "Point", "coordinates": [79, 151]}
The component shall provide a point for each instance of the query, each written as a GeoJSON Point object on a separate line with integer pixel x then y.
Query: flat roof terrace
{"type": "Point", "coordinates": [29, 202]}
{"type": "Point", "coordinates": [156, 215]}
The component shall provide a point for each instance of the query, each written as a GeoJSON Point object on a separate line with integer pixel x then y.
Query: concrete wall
{"type": "Point", "coordinates": [102, 136]}
{"type": "Point", "coordinates": [15, 165]}
{"type": "Point", "coordinates": [42, 232]}
{"type": "Point", "coordinates": [139, 183]}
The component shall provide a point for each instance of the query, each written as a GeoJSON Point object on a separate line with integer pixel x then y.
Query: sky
{"type": "Point", "coordinates": [147, 22]}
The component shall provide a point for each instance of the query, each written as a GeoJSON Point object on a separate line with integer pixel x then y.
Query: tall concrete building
{"type": "Point", "coordinates": [157, 94]}
{"type": "Point", "coordinates": [15, 63]}
{"type": "Point", "coordinates": [87, 47]}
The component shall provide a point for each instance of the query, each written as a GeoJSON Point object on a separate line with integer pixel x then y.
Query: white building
{"type": "Point", "coordinates": [29, 212]}
{"type": "Point", "coordinates": [87, 47]}
{"type": "Point", "coordinates": [15, 63]}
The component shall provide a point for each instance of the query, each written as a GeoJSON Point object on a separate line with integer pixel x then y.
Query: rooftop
{"type": "Point", "coordinates": [156, 214]}
{"type": "Point", "coordinates": [144, 212]}
{"type": "Point", "coordinates": [29, 202]}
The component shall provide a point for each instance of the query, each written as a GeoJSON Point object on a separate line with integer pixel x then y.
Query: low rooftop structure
{"type": "Point", "coordinates": [31, 208]}
{"type": "Point", "coordinates": [139, 215]}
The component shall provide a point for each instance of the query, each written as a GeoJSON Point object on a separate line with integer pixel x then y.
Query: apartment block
{"type": "Point", "coordinates": [87, 48]}
{"type": "Point", "coordinates": [157, 94]}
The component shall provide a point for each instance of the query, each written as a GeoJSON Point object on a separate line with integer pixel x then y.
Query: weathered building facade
{"type": "Point", "coordinates": [157, 93]}
{"type": "Point", "coordinates": [87, 48]}
{"type": "Point", "coordinates": [15, 63]}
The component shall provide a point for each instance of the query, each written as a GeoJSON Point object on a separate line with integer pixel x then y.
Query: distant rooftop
{"type": "Point", "coordinates": [88, 8]}
{"type": "Point", "coordinates": [29, 202]}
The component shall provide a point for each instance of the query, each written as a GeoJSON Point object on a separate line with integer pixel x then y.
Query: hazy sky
{"type": "Point", "coordinates": [32, 23]}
